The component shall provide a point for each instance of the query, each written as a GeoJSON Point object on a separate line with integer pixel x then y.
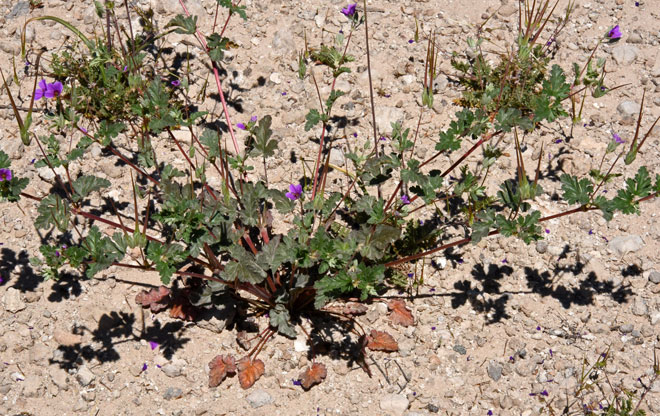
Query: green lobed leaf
{"type": "Point", "coordinates": [280, 319]}
{"type": "Point", "coordinates": [86, 184]}
{"type": "Point", "coordinates": [185, 25]}
{"type": "Point", "coordinates": [576, 190]}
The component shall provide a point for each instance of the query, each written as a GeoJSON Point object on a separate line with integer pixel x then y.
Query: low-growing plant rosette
{"type": "Point", "coordinates": [293, 253]}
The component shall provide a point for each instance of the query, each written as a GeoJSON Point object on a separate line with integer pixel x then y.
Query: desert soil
{"type": "Point", "coordinates": [500, 327]}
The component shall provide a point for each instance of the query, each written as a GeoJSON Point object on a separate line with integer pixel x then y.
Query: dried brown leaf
{"type": "Point", "coordinates": [221, 366]}
{"type": "Point", "coordinates": [249, 371]}
{"type": "Point", "coordinates": [183, 309]}
{"type": "Point", "coordinates": [156, 299]}
{"type": "Point", "coordinates": [354, 308]}
{"type": "Point", "coordinates": [400, 314]}
{"type": "Point", "coordinates": [312, 375]}
{"type": "Point", "coordinates": [381, 341]}
{"type": "Point", "coordinates": [243, 340]}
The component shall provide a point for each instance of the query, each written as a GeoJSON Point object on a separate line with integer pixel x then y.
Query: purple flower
{"type": "Point", "coordinates": [5, 175]}
{"type": "Point", "coordinates": [355, 134]}
{"type": "Point", "coordinates": [544, 393]}
{"type": "Point", "coordinates": [617, 138]}
{"type": "Point", "coordinates": [551, 352]}
{"type": "Point", "coordinates": [410, 41]}
{"type": "Point", "coordinates": [241, 126]}
{"type": "Point", "coordinates": [505, 261]}
{"type": "Point", "coordinates": [125, 68]}
{"type": "Point", "coordinates": [176, 82]}
{"type": "Point", "coordinates": [591, 232]}
{"type": "Point", "coordinates": [557, 141]}
{"type": "Point", "coordinates": [432, 328]}
{"type": "Point", "coordinates": [57, 253]}
{"type": "Point", "coordinates": [49, 90]}
{"type": "Point", "coordinates": [295, 192]}
{"type": "Point", "coordinates": [296, 382]}
{"type": "Point", "coordinates": [547, 231]}
{"type": "Point", "coordinates": [253, 119]}
{"type": "Point", "coordinates": [349, 10]}
{"type": "Point", "coordinates": [382, 138]}
{"type": "Point", "coordinates": [538, 328]}
{"type": "Point", "coordinates": [410, 275]}
{"type": "Point", "coordinates": [84, 130]}
{"type": "Point", "coordinates": [144, 367]}
{"type": "Point", "coordinates": [153, 345]}
{"type": "Point", "coordinates": [490, 413]}
{"type": "Point", "coordinates": [405, 199]}
{"type": "Point", "coordinates": [283, 92]}
{"type": "Point", "coordinates": [614, 33]}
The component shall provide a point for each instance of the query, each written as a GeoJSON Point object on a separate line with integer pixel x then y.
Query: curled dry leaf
{"type": "Point", "coordinates": [400, 314]}
{"type": "Point", "coordinates": [381, 341]}
{"type": "Point", "coordinates": [312, 375]}
{"type": "Point", "coordinates": [221, 366]}
{"type": "Point", "coordinates": [183, 309]}
{"type": "Point", "coordinates": [156, 299]}
{"type": "Point", "coordinates": [249, 371]}
{"type": "Point", "coordinates": [243, 340]}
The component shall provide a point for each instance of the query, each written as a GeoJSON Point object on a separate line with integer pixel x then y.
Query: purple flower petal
{"type": "Point", "coordinates": [153, 345]}
{"type": "Point", "coordinates": [405, 199]}
{"type": "Point", "coordinates": [42, 84]}
{"type": "Point", "coordinates": [349, 10]}
{"type": "Point", "coordinates": [253, 119]}
{"type": "Point", "coordinates": [176, 83]}
{"type": "Point", "coordinates": [5, 175]}
{"type": "Point", "coordinates": [38, 94]}
{"type": "Point", "coordinates": [614, 33]}
{"type": "Point", "coordinates": [144, 367]}
{"type": "Point", "coordinates": [241, 126]}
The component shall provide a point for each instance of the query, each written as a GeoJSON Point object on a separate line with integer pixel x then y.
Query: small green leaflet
{"type": "Point", "coordinates": [576, 191]}
{"type": "Point", "coordinates": [184, 25]}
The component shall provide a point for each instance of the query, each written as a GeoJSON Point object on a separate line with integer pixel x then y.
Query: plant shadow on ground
{"type": "Point", "coordinates": [544, 283]}
{"type": "Point", "coordinates": [116, 328]}
{"type": "Point", "coordinates": [324, 338]}
{"type": "Point", "coordinates": [27, 280]}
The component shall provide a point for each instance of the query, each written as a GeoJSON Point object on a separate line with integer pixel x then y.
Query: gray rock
{"type": "Point", "coordinates": [12, 300]}
{"type": "Point", "coordinates": [625, 244]}
{"type": "Point", "coordinates": [386, 116]}
{"type": "Point", "coordinates": [31, 386]}
{"type": "Point", "coordinates": [283, 41]}
{"type": "Point", "coordinates": [654, 277]}
{"type": "Point", "coordinates": [85, 376]}
{"type": "Point", "coordinates": [624, 54]}
{"type": "Point", "coordinates": [172, 393]}
{"type": "Point", "coordinates": [14, 148]}
{"type": "Point", "coordinates": [460, 349]}
{"type": "Point", "coordinates": [494, 370]}
{"type": "Point", "coordinates": [395, 404]}
{"type": "Point", "coordinates": [88, 395]}
{"type": "Point", "coordinates": [628, 109]}
{"type": "Point", "coordinates": [639, 307]}
{"type": "Point", "coordinates": [38, 353]}
{"type": "Point", "coordinates": [634, 38]}
{"type": "Point", "coordinates": [175, 368]}
{"type": "Point", "coordinates": [626, 328]}
{"type": "Point", "coordinates": [20, 9]}
{"type": "Point", "coordinates": [59, 378]}
{"type": "Point", "coordinates": [337, 157]}
{"type": "Point", "coordinates": [259, 398]}
{"type": "Point", "coordinates": [541, 246]}
{"type": "Point", "coordinates": [655, 318]}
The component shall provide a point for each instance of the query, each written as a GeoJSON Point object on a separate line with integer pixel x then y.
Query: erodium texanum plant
{"type": "Point", "coordinates": [221, 244]}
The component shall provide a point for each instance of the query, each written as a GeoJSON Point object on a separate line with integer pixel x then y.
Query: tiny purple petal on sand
{"type": "Point", "coordinates": [538, 328]}
{"type": "Point", "coordinates": [283, 92]}
{"type": "Point", "coordinates": [405, 199]}
{"type": "Point", "coordinates": [411, 41]}
{"type": "Point", "coordinates": [382, 139]}
{"type": "Point", "coordinates": [432, 289]}
{"type": "Point", "coordinates": [32, 161]}
{"type": "Point", "coordinates": [547, 231]}
{"type": "Point", "coordinates": [176, 83]}
{"type": "Point", "coordinates": [544, 393]}
{"type": "Point", "coordinates": [84, 130]}
{"type": "Point", "coordinates": [505, 261]}
{"type": "Point", "coordinates": [490, 413]}
{"type": "Point", "coordinates": [591, 232]}
{"type": "Point", "coordinates": [144, 367]}
{"type": "Point", "coordinates": [296, 382]}
{"type": "Point", "coordinates": [558, 141]}
{"type": "Point", "coordinates": [551, 352]}
{"type": "Point", "coordinates": [432, 328]}
{"type": "Point", "coordinates": [153, 345]}
{"type": "Point", "coordinates": [355, 134]}
{"type": "Point", "coordinates": [158, 365]}
{"type": "Point", "coordinates": [241, 126]}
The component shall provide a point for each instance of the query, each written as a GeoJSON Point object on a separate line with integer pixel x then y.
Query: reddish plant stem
{"type": "Point", "coordinates": [321, 140]}
{"type": "Point", "coordinates": [205, 47]}
{"type": "Point", "coordinates": [206, 186]}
